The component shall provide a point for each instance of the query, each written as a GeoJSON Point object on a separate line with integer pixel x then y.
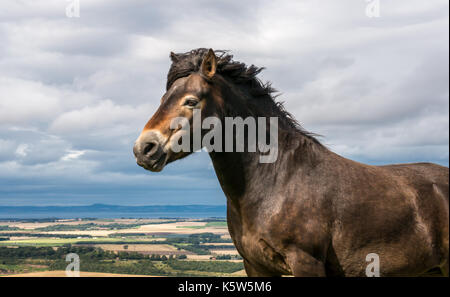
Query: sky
{"type": "Point", "coordinates": [75, 92]}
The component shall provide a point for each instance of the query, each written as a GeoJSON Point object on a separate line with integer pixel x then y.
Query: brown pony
{"type": "Point", "coordinates": [311, 212]}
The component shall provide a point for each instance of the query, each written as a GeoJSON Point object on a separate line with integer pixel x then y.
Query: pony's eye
{"type": "Point", "coordinates": [190, 102]}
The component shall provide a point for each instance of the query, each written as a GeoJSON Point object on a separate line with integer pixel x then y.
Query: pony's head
{"type": "Point", "coordinates": [187, 92]}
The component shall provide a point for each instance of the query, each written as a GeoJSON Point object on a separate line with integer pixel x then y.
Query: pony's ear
{"type": "Point", "coordinates": [173, 57]}
{"type": "Point", "coordinates": [209, 64]}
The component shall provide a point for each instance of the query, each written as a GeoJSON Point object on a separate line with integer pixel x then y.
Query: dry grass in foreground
{"type": "Point", "coordinates": [61, 273]}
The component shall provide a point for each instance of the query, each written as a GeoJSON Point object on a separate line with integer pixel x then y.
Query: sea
{"type": "Point", "coordinates": [112, 211]}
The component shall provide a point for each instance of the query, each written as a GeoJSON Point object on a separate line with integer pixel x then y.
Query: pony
{"type": "Point", "coordinates": [311, 212]}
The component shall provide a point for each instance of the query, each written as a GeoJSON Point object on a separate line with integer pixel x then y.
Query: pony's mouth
{"type": "Point", "coordinates": [154, 165]}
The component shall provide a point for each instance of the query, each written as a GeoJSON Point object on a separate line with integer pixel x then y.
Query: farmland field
{"type": "Point", "coordinates": [119, 247]}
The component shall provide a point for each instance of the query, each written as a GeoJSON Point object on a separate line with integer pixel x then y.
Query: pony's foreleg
{"type": "Point", "coordinates": [303, 264]}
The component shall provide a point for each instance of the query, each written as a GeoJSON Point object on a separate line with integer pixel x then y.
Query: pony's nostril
{"type": "Point", "coordinates": [150, 148]}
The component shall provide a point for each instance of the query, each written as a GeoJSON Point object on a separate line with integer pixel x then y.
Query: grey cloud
{"type": "Point", "coordinates": [29, 147]}
{"type": "Point", "coordinates": [75, 93]}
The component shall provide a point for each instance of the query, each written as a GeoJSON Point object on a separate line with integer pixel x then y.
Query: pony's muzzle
{"type": "Point", "coordinates": [149, 152]}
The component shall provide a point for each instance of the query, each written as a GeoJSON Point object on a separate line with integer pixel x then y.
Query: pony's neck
{"type": "Point", "coordinates": [241, 175]}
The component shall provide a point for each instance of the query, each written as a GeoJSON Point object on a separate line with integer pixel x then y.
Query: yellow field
{"type": "Point", "coordinates": [239, 273]}
{"type": "Point", "coordinates": [188, 227]}
{"type": "Point", "coordinates": [93, 233]}
{"type": "Point", "coordinates": [198, 257]}
{"type": "Point", "coordinates": [224, 252]}
{"type": "Point", "coordinates": [59, 273]}
{"type": "Point", "coordinates": [179, 228]}
{"type": "Point", "coordinates": [34, 225]}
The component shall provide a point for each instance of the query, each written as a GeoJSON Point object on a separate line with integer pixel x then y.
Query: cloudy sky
{"type": "Point", "coordinates": [76, 92]}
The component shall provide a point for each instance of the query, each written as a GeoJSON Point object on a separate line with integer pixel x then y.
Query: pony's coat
{"type": "Point", "coordinates": [312, 212]}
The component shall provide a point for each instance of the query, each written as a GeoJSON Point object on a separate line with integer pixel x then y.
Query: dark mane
{"type": "Point", "coordinates": [183, 64]}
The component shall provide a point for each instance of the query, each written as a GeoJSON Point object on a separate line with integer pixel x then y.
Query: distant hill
{"type": "Point", "coordinates": [113, 211]}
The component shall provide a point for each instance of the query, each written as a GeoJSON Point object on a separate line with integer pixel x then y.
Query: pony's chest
{"type": "Point", "coordinates": [253, 242]}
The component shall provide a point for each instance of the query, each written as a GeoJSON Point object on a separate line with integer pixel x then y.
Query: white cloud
{"type": "Point", "coordinates": [22, 150]}
{"type": "Point", "coordinates": [72, 155]}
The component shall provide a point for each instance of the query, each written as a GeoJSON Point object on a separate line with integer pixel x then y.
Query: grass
{"type": "Point", "coordinates": [62, 273]}
{"type": "Point", "coordinates": [28, 266]}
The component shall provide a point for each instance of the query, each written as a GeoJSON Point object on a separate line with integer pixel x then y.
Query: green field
{"type": "Point", "coordinates": [191, 227]}
{"type": "Point", "coordinates": [216, 224]}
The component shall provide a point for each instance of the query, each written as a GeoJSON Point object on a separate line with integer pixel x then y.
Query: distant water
{"type": "Point", "coordinates": [112, 211]}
